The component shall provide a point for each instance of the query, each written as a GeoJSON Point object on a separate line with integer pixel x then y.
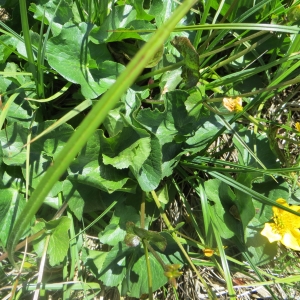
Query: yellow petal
{"type": "Point", "coordinates": [294, 220]}
{"type": "Point", "coordinates": [282, 201]}
{"type": "Point", "coordinates": [233, 104]}
{"type": "Point", "coordinates": [286, 220]}
{"type": "Point", "coordinates": [208, 252]}
{"type": "Point", "coordinates": [277, 210]}
{"type": "Point", "coordinates": [291, 239]}
{"type": "Point", "coordinates": [271, 233]}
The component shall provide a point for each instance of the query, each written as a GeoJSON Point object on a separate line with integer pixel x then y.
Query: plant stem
{"type": "Point", "coordinates": [149, 247]}
{"type": "Point", "coordinates": [171, 228]}
{"type": "Point", "coordinates": [27, 40]}
{"type": "Point", "coordinates": [143, 207]}
{"type": "Point", "coordinates": [146, 245]}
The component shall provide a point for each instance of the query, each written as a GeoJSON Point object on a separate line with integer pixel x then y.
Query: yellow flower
{"type": "Point", "coordinates": [208, 252]}
{"type": "Point", "coordinates": [233, 104]}
{"type": "Point", "coordinates": [285, 227]}
{"type": "Point", "coordinates": [171, 271]}
{"type": "Point", "coordinates": [297, 125]}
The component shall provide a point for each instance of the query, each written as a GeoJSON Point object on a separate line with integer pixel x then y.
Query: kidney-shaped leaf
{"type": "Point", "coordinates": [78, 60]}
{"type": "Point", "coordinates": [130, 147]}
{"type": "Point", "coordinates": [12, 203]}
{"type": "Point", "coordinates": [55, 12]}
{"type": "Point", "coordinates": [122, 17]}
{"type": "Point", "coordinates": [59, 239]}
{"type": "Point", "coordinates": [221, 195]}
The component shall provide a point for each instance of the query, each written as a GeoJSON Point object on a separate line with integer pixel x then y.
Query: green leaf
{"type": "Point", "coordinates": [223, 199]}
{"type": "Point", "coordinates": [59, 239]}
{"type": "Point", "coordinates": [114, 268]}
{"type": "Point", "coordinates": [44, 150]}
{"type": "Point", "coordinates": [163, 194]}
{"type": "Point", "coordinates": [162, 10]}
{"type": "Point", "coordinates": [125, 266]}
{"type": "Point", "coordinates": [84, 197]}
{"type": "Point", "coordinates": [150, 173]}
{"type": "Point", "coordinates": [105, 178]}
{"type": "Point", "coordinates": [208, 127]}
{"type": "Point", "coordinates": [273, 190]}
{"type": "Point", "coordinates": [262, 146]}
{"type": "Point", "coordinates": [261, 250]}
{"type": "Point", "coordinates": [116, 230]}
{"type": "Point", "coordinates": [194, 104]}
{"type": "Point", "coordinates": [152, 237]}
{"type": "Point", "coordinates": [122, 17]}
{"type": "Point", "coordinates": [17, 110]}
{"type": "Point", "coordinates": [94, 260]}
{"type": "Point", "coordinates": [141, 14]}
{"type": "Point", "coordinates": [39, 243]}
{"type": "Point", "coordinates": [12, 139]}
{"type": "Point", "coordinates": [244, 202]}
{"type": "Point", "coordinates": [54, 141]}
{"type": "Point", "coordinates": [139, 277]}
{"type": "Point", "coordinates": [170, 80]}
{"type": "Point", "coordinates": [56, 12]}
{"type": "Point", "coordinates": [114, 121]}
{"type": "Point", "coordinates": [87, 65]}
{"type": "Point", "coordinates": [12, 203]}
{"type": "Point", "coordinates": [131, 147]}
{"type": "Point", "coordinates": [166, 125]}
{"type": "Point", "coordinates": [89, 169]}
{"type": "Point", "coordinates": [190, 71]}
{"type": "Point", "coordinates": [7, 44]}
{"type": "Point", "coordinates": [76, 196]}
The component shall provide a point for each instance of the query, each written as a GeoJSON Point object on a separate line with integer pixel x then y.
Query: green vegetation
{"type": "Point", "coordinates": [144, 141]}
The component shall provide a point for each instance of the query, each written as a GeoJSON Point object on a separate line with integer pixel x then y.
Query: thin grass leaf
{"type": "Point", "coordinates": [5, 108]}
{"type": "Point", "coordinates": [53, 97]}
{"type": "Point", "coordinates": [259, 197]}
{"type": "Point", "coordinates": [203, 20]}
{"type": "Point", "coordinates": [10, 32]}
{"type": "Point", "coordinates": [74, 259]}
{"type": "Point", "coordinates": [189, 210]}
{"type": "Point", "coordinates": [226, 270]}
{"type": "Point", "coordinates": [257, 272]}
{"type": "Point", "coordinates": [240, 140]}
{"type": "Point", "coordinates": [242, 75]}
{"type": "Point", "coordinates": [198, 161]}
{"type": "Point", "coordinates": [74, 285]}
{"type": "Point", "coordinates": [27, 39]}
{"type": "Point", "coordinates": [238, 26]}
{"type": "Point", "coordinates": [68, 116]}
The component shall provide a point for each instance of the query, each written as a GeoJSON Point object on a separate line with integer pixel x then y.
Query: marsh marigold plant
{"type": "Point", "coordinates": [285, 227]}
